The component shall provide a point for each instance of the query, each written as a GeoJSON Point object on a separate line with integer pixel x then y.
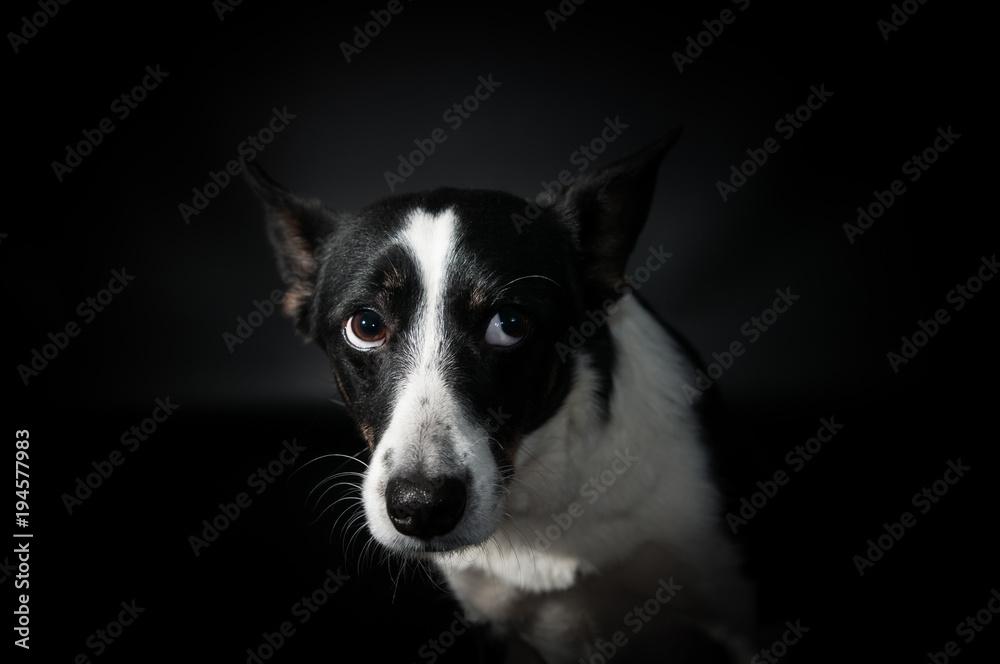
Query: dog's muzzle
{"type": "Point", "coordinates": [425, 508]}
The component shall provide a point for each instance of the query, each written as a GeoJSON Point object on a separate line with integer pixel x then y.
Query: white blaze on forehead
{"type": "Point", "coordinates": [428, 434]}
{"type": "Point", "coordinates": [430, 239]}
{"type": "Point", "coordinates": [424, 408]}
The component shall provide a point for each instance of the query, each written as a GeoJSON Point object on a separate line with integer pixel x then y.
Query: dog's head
{"type": "Point", "coordinates": [446, 318]}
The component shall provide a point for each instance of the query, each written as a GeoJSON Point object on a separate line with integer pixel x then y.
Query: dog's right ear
{"type": "Point", "coordinates": [608, 208]}
{"type": "Point", "coordinates": [296, 227]}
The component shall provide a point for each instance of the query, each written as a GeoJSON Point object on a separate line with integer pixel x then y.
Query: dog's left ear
{"type": "Point", "coordinates": [608, 209]}
{"type": "Point", "coordinates": [296, 228]}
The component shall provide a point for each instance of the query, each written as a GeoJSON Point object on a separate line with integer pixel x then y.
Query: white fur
{"type": "Point", "coordinates": [656, 517]}
{"type": "Point", "coordinates": [665, 500]}
{"type": "Point", "coordinates": [426, 413]}
{"type": "Point", "coordinates": [667, 493]}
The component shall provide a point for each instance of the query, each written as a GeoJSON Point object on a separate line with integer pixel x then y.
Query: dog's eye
{"type": "Point", "coordinates": [365, 330]}
{"type": "Point", "coordinates": [506, 328]}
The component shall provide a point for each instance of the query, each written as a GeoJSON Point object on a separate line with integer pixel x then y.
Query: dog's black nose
{"type": "Point", "coordinates": [423, 507]}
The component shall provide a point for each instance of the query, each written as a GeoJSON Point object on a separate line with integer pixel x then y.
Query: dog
{"type": "Point", "coordinates": [524, 411]}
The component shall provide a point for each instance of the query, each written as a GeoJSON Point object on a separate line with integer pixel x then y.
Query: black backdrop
{"type": "Point", "coordinates": [223, 75]}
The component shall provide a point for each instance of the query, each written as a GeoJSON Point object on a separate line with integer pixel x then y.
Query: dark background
{"type": "Point", "coordinates": [163, 336]}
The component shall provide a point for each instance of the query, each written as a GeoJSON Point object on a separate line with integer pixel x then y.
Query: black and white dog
{"type": "Point", "coordinates": [524, 411]}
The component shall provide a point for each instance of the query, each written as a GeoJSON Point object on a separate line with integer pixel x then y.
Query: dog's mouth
{"type": "Point", "coordinates": [422, 549]}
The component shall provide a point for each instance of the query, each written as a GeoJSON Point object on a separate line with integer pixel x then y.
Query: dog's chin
{"type": "Point", "coordinates": [416, 548]}
{"type": "Point", "coordinates": [463, 537]}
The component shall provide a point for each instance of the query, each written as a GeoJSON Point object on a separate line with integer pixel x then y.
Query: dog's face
{"type": "Point", "coordinates": [445, 316]}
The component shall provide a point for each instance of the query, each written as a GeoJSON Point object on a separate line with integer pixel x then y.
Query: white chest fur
{"type": "Point", "coordinates": [592, 498]}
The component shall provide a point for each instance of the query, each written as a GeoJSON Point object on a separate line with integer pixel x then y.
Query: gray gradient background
{"type": "Point", "coordinates": [163, 335]}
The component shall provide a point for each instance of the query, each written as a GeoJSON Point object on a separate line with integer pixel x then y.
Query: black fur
{"type": "Point", "coordinates": [569, 261]}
